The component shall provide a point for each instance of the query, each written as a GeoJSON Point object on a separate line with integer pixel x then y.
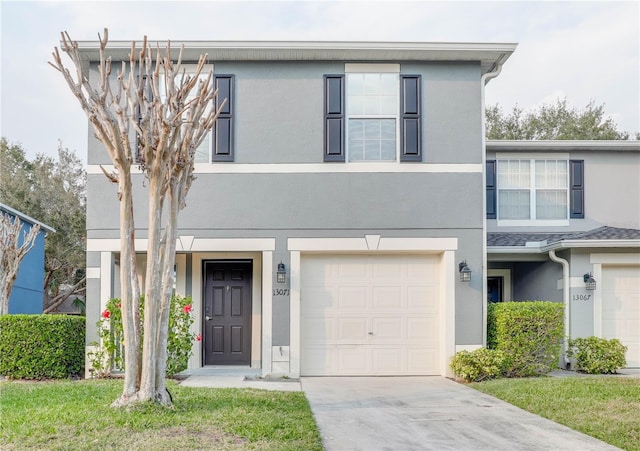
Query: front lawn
{"type": "Point", "coordinates": [76, 415]}
{"type": "Point", "coordinates": [607, 408]}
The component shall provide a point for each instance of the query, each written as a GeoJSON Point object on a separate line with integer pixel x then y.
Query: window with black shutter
{"type": "Point", "coordinates": [223, 128]}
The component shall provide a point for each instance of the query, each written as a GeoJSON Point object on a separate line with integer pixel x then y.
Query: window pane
{"type": "Point", "coordinates": [551, 174]}
{"type": "Point", "coordinates": [202, 151]}
{"type": "Point", "coordinates": [513, 204]}
{"type": "Point", "coordinates": [513, 174]}
{"type": "Point", "coordinates": [372, 110]}
{"type": "Point", "coordinates": [372, 139]}
{"type": "Point", "coordinates": [551, 204]}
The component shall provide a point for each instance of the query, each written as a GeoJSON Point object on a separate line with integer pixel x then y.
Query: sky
{"type": "Point", "coordinates": [577, 50]}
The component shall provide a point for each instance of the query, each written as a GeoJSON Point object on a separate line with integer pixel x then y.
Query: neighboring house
{"type": "Point", "coordinates": [352, 171]}
{"type": "Point", "coordinates": [561, 214]}
{"type": "Point", "coordinates": [27, 295]}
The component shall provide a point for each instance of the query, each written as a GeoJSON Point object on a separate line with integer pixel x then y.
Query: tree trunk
{"type": "Point", "coordinates": [130, 293]}
{"type": "Point", "coordinates": [152, 298]}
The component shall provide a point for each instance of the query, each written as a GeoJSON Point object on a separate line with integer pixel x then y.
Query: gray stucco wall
{"type": "Point", "coordinates": [537, 281]}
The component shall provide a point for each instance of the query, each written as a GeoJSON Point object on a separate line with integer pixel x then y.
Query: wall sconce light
{"type": "Point", "coordinates": [589, 282]}
{"type": "Point", "coordinates": [281, 274]}
{"type": "Point", "coordinates": [465, 272]}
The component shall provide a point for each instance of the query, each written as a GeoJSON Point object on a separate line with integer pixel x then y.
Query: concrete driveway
{"type": "Point", "coordinates": [428, 413]}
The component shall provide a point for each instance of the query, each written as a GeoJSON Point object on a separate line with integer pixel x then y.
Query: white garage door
{"type": "Point", "coordinates": [369, 315]}
{"type": "Point", "coordinates": [621, 308]}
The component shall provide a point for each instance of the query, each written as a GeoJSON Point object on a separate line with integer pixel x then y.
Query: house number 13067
{"type": "Point", "coordinates": [281, 292]}
{"type": "Point", "coordinates": [581, 297]}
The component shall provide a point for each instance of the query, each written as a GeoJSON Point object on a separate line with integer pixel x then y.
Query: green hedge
{"type": "Point", "coordinates": [529, 334]}
{"type": "Point", "coordinates": [598, 355]}
{"type": "Point", "coordinates": [42, 346]}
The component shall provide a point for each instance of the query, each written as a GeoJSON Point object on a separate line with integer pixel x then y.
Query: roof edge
{"type": "Point", "coordinates": [27, 218]}
{"type": "Point", "coordinates": [546, 145]}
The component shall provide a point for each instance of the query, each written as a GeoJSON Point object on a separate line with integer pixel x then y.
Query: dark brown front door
{"type": "Point", "coordinates": [227, 313]}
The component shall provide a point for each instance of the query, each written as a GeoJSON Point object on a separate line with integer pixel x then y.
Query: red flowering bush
{"type": "Point", "coordinates": [110, 353]}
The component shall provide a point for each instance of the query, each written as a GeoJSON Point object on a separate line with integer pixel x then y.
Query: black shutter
{"type": "Point", "coordinates": [410, 118]}
{"type": "Point", "coordinates": [334, 118]}
{"type": "Point", "coordinates": [576, 188]}
{"type": "Point", "coordinates": [223, 128]}
{"type": "Point", "coordinates": [491, 187]}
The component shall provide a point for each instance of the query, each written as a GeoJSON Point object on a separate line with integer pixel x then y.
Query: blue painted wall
{"type": "Point", "coordinates": [27, 293]}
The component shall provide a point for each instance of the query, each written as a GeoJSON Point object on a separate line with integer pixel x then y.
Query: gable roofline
{"type": "Point", "coordinates": [489, 55]}
{"type": "Point", "coordinates": [563, 145]}
{"type": "Point", "coordinates": [25, 218]}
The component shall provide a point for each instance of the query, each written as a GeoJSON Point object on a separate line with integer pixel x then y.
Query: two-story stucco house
{"type": "Point", "coordinates": [563, 223]}
{"type": "Point", "coordinates": [338, 205]}
{"type": "Point", "coordinates": [27, 294]}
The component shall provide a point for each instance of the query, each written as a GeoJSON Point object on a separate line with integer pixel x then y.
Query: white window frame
{"type": "Point", "coordinates": [357, 68]}
{"type": "Point", "coordinates": [532, 158]}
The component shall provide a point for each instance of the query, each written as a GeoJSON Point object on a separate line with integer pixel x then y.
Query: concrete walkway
{"type": "Point", "coordinates": [238, 377]}
{"type": "Point", "coordinates": [428, 413]}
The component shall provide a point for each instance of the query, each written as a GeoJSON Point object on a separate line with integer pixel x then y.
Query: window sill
{"type": "Point", "coordinates": [532, 223]}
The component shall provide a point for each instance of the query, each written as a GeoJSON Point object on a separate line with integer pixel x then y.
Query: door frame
{"type": "Point", "coordinates": [203, 270]}
{"type": "Point", "coordinates": [261, 262]}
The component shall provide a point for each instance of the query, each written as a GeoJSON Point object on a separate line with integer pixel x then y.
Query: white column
{"type": "Point", "coordinates": [267, 311]}
{"type": "Point", "coordinates": [294, 311]}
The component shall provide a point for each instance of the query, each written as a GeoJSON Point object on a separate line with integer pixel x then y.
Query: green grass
{"type": "Point", "coordinates": [607, 408]}
{"type": "Point", "coordinates": [77, 415]}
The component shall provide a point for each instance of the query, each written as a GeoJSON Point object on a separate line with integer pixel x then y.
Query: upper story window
{"type": "Point", "coordinates": [536, 191]}
{"type": "Point", "coordinates": [372, 116]}
{"type": "Point", "coordinates": [372, 113]}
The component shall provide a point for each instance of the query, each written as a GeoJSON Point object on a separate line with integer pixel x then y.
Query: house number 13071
{"type": "Point", "coordinates": [281, 292]}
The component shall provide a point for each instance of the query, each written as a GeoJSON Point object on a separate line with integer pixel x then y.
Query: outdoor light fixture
{"type": "Point", "coordinates": [281, 274]}
{"type": "Point", "coordinates": [589, 282]}
{"type": "Point", "coordinates": [465, 272]}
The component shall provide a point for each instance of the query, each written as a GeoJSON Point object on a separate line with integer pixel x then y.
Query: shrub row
{"type": "Point", "coordinates": [525, 339]}
{"type": "Point", "coordinates": [41, 346]}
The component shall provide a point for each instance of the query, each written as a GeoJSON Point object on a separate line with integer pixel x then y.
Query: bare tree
{"type": "Point", "coordinates": [153, 99]}
{"type": "Point", "coordinates": [12, 251]}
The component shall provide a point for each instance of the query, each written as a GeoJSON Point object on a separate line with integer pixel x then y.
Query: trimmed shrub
{"type": "Point", "coordinates": [530, 334]}
{"type": "Point", "coordinates": [478, 365]}
{"type": "Point", "coordinates": [41, 346]}
{"type": "Point", "coordinates": [598, 355]}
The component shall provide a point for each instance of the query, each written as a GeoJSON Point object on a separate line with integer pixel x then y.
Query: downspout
{"type": "Point", "coordinates": [493, 73]}
{"type": "Point", "coordinates": [567, 304]}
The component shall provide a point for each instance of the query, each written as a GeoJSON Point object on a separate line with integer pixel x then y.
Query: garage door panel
{"type": "Point", "coordinates": [351, 360]}
{"type": "Point", "coordinates": [392, 296]}
{"type": "Point", "coordinates": [387, 360]}
{"type": "Point", "coordinates": [352, 298]}
{"type": "Point", "coordinates": [387, 330]}
{"type": "Point", "coordinates": [352, 330]}
{"type": "Point", "coordinates": [424, 330]}
{"type": "Point", "coordinates": [386, 298]}
{"type": "Point", "coordinates": [621, 308]}
{"type": "Point", "coordinates": [422, 300]}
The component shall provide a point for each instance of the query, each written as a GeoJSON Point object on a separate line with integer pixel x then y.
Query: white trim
{"type": "Point", "coordinates": [294, 308]}
{"type": "Point", "coordinates": [533, 156]}
{"type": "Point", "coordinates": [93, 273]}
{"type": "Point", "coordinates": [371, 68]}
{"type": "Point", "coordinates": [181, 274]}
{"type": "Point", "coordinates": [469, 348]}
{"type": "Point", "coordinates": [360, 244]}
{"type": "Point", "coordinates": [597, 300]}
{"type": "Point", "coordinates": [506, 281]}
{"type": "Point", "coordinates": [615, 259]}
{"type": "Point", "coordinates": [532, 222]}
{"type": "Point", "coordinates": [106, 276]}
{"type": "Point", "coordinates": [197, 244]}
{"type": "Point", "coordinates": [267, 311]}
{"type": "Point", "coordinates": [448, 311]}
{"type": "Point", "coordinates": [316, 168]}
